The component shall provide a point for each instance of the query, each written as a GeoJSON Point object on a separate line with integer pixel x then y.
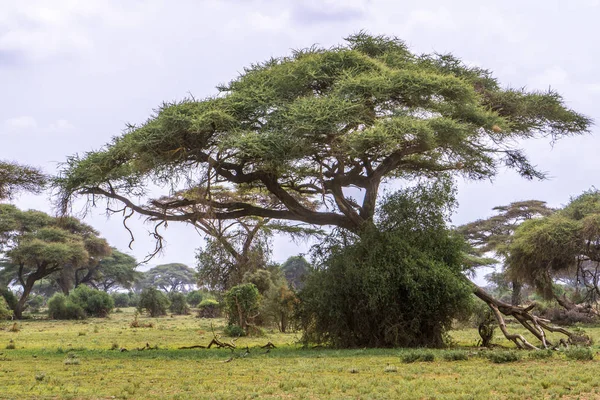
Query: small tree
{"type": "Point", "coordinates": [120, 299]}
{"type": "Point", "coordinates": [63, 307]}
{"type": "Point", "coordinates": [179, 304]}
{"type": "Point", "coordinates": [241, 303]}
{"type": "Point", "coordinates": [95, 303]}
{"type": "Point", "coordinates": [154, 302]}
{"type": "Point", "coordinates": [209, 308]}
{"type": "Point", "coordinates": [194, 298]}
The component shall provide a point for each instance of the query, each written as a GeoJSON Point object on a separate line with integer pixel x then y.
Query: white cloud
{"type": "Point", "coordinates": [552, 76]}
{"type": "Point", "coordinates": [61, 126]}
{"type": "Point", "coordinates": [21, 123]}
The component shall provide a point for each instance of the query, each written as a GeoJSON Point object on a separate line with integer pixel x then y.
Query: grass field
{"type": "Point", "coordinates": [73, 359]}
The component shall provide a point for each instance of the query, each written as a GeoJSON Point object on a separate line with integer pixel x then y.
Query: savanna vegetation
{"type": "Point", "coordinates": [301, 146]}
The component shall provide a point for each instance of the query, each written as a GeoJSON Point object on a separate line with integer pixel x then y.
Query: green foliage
{"type": "Point", "coordinates": [118, 270]}
{"type": "Point", "coordinates": [35, 303]}
{"type": "Point", "coordinates": [154, 302]}
{"type": "Point", "coordinates": [234, 331]}
{"type": "Point", "coordinates": [209, 308]}
{"type": "Point", "coordinates": [241, 304]}
{"type": "Point", "coordinates": [120, 299]}
{"type": "Point", "coordinates": [397, 286]}
{"type": "Point", "coordinates": [179, 304]}
{"type": "Point", "coordinates": [295, 269]}
{"type": "Point", "coordinates": [455, 355]}
{"type": "Point", "coordinates": [579, 353]}
{"type": "Point", "coordinates": [168, 277]}
{"type": "Point", "coordinates": [5, 311]}
{"type": "Point", "coordinates": [411, 356]}
{"type": "Point", "coordinates": [95, 303]}
{"type": "Point", "coordinates": [541, 354]}
{"type": "Point", "coordinates": [15, 178]}
{"type": "Point", "coordinates": [63, 307]}
{"type": "Point", "coordinates": [501, 357]}
{"type": "Point", "coordinates": [194, 298]}
{"type": "Point", "coordinates": [9, 297]}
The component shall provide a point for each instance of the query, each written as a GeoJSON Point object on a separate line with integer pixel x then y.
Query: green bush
{"type": "Point", "coordinates": [209, 308]}
{"type": "Point", "coordinates": [95, 303]}
{"type": "Point", "coordinates": [541, 354]}
{"type": "Point", "coordinates": [579, 353]}
{"type": "Point", "coordinates": [179, 304]}
{"type": "Point", "coordinates": [154, 302]}
{"type": "Point", "coordinates": [417, 355]}
{"type": "Point", "coordinates": [241, 303]}
{"type": "Point", "coordinates": [234, 331]}
{"type": "Point", "coordinates": [501, 357]}
{"type": "Point", "coordinates": [134, 299]}
{"type": "Point", "coordinates": [399, 284]}
{"type": "Point", "coordinates": [455, 355]}
{"type": "Point", "coordinates": [5, 311]}
{"type": "Point", "coordinates": [62, 307]}
{"type": "Point", "coordinates": [35, 303]}
{"type": "Point", "coordinates": [120, 299]}
{"type": "Point", "coordinates": [9, 296]}
{"type": "Point", "coordinates": [194, 298]}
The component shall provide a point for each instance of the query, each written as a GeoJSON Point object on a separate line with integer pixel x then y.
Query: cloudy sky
{"type": "Point", "coordinates": [73, 73]}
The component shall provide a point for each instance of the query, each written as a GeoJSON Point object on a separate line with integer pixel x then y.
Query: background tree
{"type": "Point", "coordinates": [316, 148]}
{"type": "Point", "coordinates": [241, 303]}
{"type": "Point", "coordinates": [173, 277]}
{"type": "Point", "coordinates": [494, 234]}
{"type": "Point", "coordinates": [118, 270]}
{"type": "Point", "coordinates": [154, 302]}
{"type": "Point", "coordinates": [15, 178]}
{"type": "Point", "coordinates": [566, 243]}
{"type": "Point", "coordinates": [295, 269]}
{"type": "Point", "coordinates": [36, 245]}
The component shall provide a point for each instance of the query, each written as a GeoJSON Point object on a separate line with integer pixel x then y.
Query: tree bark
{"type": "Point", "coordinates": [516, 293]}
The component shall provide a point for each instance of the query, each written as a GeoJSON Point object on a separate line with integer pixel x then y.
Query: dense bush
{"type": "Point", "coordinates": [63, 307]}
{"type": "Point", "coordinates": [579, 353]}
{"type": "Point", "coordinates": [194, 298]}
{"type": "Point", "coordinates": [241, 304]}
{"type": "Point", "coordinates": [95, 303]}
{"type": "Point", "coordinates": [399, 284]}
{"type": "Point", "coordinates": [9, 296]}
{"type": "Point", "coordinates": [5, 311]}
{"type": "Point", "coordinates": [234, 331]}
{"type": "Point", "coordinates": [34, 303]}
{"type": "Point", "coordinates": [501, 357]}
{"type": "Point", "coordinates": [209, 308]}
{"type": "Point", "coordinates": [134, 299]}
{"type": "Point", "coordinates": [179, 304]}
{"type": "Point", "coordinates": [120, 299]}
{"type": "Point", "coordinates": [154, 302]}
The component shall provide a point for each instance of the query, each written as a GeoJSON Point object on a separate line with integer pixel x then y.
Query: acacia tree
{"type": "Point", "coordinates": [317, 133]}
{"type": "Point", "coordinates": [169, 278]}
{"type": "Point", "coordinates": [494, 234]}
{"type": "Point", "coordinates": [15, 178]}
{"type": "Point", "coordinates": [116, 270]}
{"type": "Point", "coordinates": [36, 245]}
{"type": "Point", "coordinates": [562, 245]}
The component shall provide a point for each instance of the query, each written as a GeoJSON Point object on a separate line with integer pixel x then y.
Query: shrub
{"type": "Point", "coordinates": [120, 299]}
{"type": "Point", "coordinates": [579, 353]}
{"type": "Point", "coordinates": [95, 303]}
{"type": "Point", "coordinates": [398, 284]}
{"type": "Point", "coordinates": [500, 357]}
{"type": "Point", "coordinates": [5, 311]}
{"type": "Point", "coordinates": [417, 355]}
{"type": "Point", "coordinates": [209, 308]}
{"type": "Point", "coordinates": [541, 354]}
{"type": "Point", "coordinates": [234, 331]}
{"type": "Point", "coordinates": [455, 355]}
{"type": "Point", "coordinates": [194, 298]}
{"type": "Point", "coordinates": [9, 297]}
{"type": "Point", "coordinates": [241, 302]}
{"type": "Point", "coordinates": [179, 304]}
{"type": "Point", "coordinates": [61, 307]}
{"type": "Point", "coordinates": [134, 299]}
{"type": "Point", "coordinates": [35, 303]}
{"type": "Point", "coordinates": [154, 302]}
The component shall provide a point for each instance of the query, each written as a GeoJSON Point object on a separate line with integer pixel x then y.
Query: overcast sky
{"type": "Point", "coordinates": [73, 73]}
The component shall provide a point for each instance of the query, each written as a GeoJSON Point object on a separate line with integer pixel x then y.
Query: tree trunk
{"type": "Point", "coordinates": [537, 326]}
{"type": "Point", "coordinates": [570, 306]}
{"type": "Point", "coordinates": [20, 306]}
{"type": "Point", "coordinates": [516, 293]}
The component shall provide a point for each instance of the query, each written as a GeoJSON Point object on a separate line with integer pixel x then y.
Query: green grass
{"type": "Point", "coordinates": [52, 359]}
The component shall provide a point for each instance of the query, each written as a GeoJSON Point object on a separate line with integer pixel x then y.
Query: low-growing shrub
{"type": "Point", "coordinates": [35, 303]}
{"type": "Point", "coordinates": [417, 355]}
{"type": "Point", "coordinates": [154, 302]}
{"type": "Point", "coordinates": [61, 307]}
{"type": "Point", "coordinates": [95, 303]}
{"type": "Point", "coordinates": [541, 355]}
{"type": "Point", "coordinates": [500, 357]}
{"type": "Point", "coordinates": [234, 331]}
{"type": "Point", "coordinates": [179, 304]}
{"type": "Point", "coordinates": [579, 353]}
{"type": "Point", "coordinates": [209, 308]}
{"type": "Point", "coordinates": [455, 355]}
{"type": "Point", "coordinates": [9, 297]}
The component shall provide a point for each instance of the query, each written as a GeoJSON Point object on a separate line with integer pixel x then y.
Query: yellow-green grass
{"type": "Point", "coordinates": [72, 359]}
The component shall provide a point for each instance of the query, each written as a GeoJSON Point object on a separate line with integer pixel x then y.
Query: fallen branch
{"type": "Point", "coordinates": [198, 346]}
